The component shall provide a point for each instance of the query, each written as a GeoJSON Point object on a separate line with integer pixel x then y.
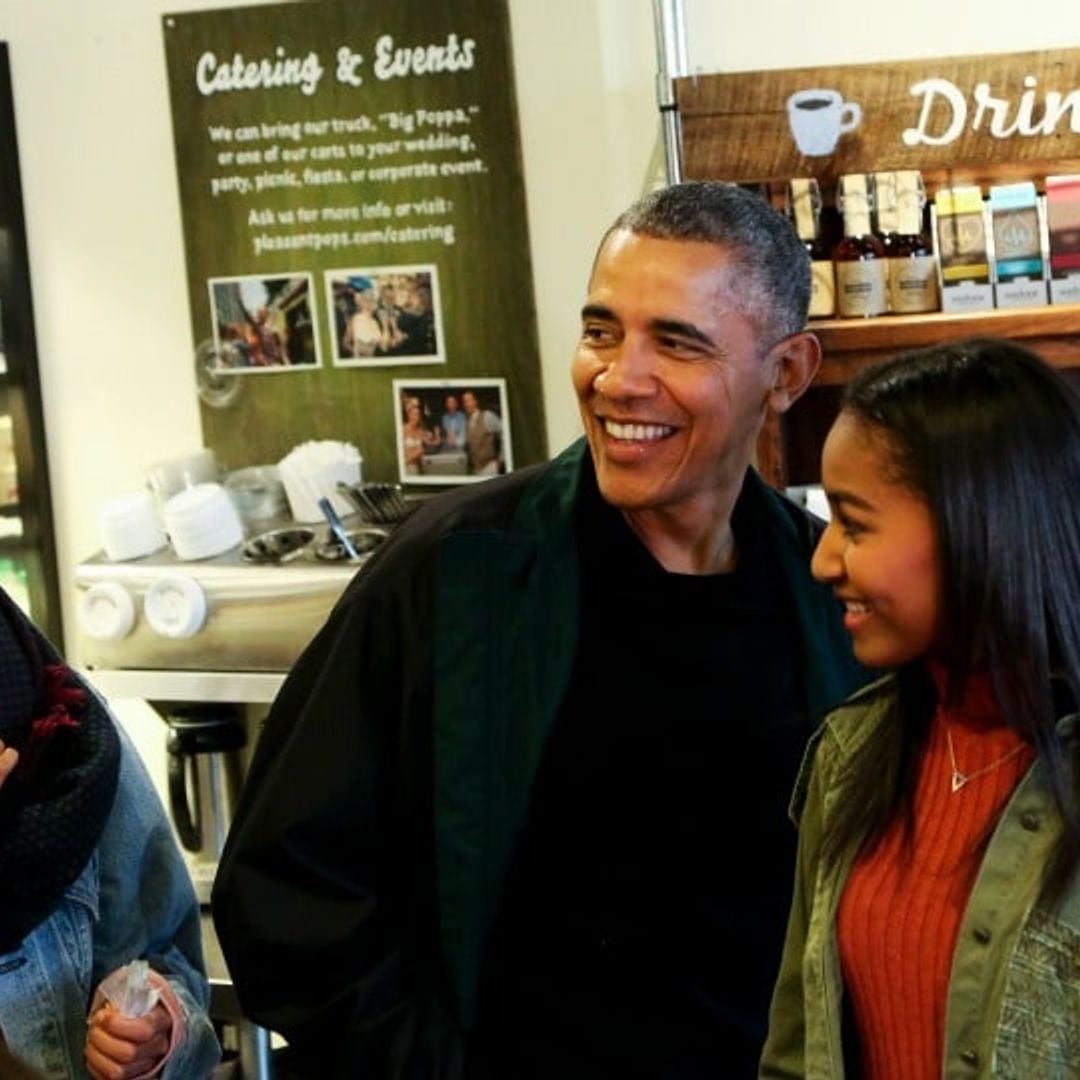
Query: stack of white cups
{"type": "Point", "coordinates": [202, 521]}
{"type": "Point", "coordinates": [170, 477]}
{"type": "Point", "coordinates": [130, 527]}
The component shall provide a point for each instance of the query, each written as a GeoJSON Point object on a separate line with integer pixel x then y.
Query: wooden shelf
{"type": "Point", "coordinates": [849, 345]}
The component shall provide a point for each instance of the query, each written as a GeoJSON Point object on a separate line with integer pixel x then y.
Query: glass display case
{"type": "Point", "coordinates": [28, 569]}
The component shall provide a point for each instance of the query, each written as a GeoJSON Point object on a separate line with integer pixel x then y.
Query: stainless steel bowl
{"type": "Point", "coordinates": [278, 545]}
{"type": "Point", "coordinates": [364, 539]}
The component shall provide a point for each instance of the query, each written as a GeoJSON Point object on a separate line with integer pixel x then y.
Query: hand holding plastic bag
{"type": "Point", "coordinates": [132, 1029]}
{"type": "Point", "coordinates": [129, 988]}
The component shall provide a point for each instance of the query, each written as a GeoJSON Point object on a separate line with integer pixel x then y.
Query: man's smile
{"type": "Point", "coordinates": [636, 432]}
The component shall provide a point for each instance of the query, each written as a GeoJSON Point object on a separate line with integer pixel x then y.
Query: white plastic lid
{"type": "Point", "coordinates": [130, 527]}
{"type": "Point", "coordinates": [202, 521]}
{"type": "Point", "coordinates": [195, 502]}
{"type": "Point", "coordinates": [175, 607]}
{"type": "Point", "coordinates": [107, 611]}
{"type": "Point", "coordinates": [136, 506]}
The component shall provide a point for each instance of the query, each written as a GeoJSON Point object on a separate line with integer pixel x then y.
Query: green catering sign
{"type": "Point", "coordinates": [355, 234]}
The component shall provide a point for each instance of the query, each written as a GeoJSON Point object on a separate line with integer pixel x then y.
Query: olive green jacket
{"type": "Point", "coordinates": [1014, 993]}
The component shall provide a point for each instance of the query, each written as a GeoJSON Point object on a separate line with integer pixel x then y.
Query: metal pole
{"type": "Point", "coordinates": [256, 1058]}
{"type": "Point", "coordinates": [670, 63]}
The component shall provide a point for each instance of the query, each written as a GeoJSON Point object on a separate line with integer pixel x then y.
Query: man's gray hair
{"type": "Point", "coordinates": [773, 280]}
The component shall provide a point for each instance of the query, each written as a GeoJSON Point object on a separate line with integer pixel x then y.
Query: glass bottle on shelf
{"type": "Point", "coordinates": [913, 278]}
{"type": "Point", "coordinates": [885, 228]}
{"type": "Point", "coordinates": [805, 200]}
{"type": "Point", "coordinates": [859, 257]}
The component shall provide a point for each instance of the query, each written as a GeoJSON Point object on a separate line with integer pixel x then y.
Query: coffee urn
{"type": "Point", "coordinates": [205, 774]}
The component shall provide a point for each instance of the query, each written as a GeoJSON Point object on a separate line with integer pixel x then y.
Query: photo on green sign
{"type": "Point", "coordinates": [263, 324]}
{"type": "Point", "coordinates": [385, 315]}
{"type": "Point", "coordinates": [451, 432]}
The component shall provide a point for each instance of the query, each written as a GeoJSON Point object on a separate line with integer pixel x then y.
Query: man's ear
{"type": "Point", "coordinates": [794, 363]}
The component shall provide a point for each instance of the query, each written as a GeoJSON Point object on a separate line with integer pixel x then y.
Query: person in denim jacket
{"type": "Point", "coordinates": [90, 879]}
{"type": "Point", "coordinates": [935, 925]}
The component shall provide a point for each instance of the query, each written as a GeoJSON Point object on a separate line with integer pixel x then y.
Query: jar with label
{"type": "Point", "coordinates": [805, 199]}
{"type": "Point", "coordinates": [859, 257]}
{"type": "Point", "coordinates": [913, 276]}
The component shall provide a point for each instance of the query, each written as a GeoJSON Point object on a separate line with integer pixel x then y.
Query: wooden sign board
{"type": "Point", "coordinates": [976, 117]}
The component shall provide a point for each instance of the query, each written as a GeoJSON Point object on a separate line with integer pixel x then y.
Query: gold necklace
{"type": "Point", "coordinates": [960, 779]}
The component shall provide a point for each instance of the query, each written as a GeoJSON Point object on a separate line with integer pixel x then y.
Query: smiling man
{"type": "Point", "coordinates": [675, 372]}
{"type": "Point", "coordinates": [520, 809]}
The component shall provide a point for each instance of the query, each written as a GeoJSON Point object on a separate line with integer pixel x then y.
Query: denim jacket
{"type": "Point", "coordinates": [133, 899]}
{"type": "Point", "coordinates": [1013, 1009]}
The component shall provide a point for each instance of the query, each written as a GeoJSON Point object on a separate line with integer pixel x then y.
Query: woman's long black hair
{"type": "Point", "coordinates": [989, 435]}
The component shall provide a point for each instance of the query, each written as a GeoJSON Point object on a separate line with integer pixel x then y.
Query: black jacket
{"type": "Point", "coordinates": [364, 866]}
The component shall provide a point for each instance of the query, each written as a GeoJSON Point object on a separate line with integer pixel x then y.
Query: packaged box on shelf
{"type": "Point", "coordinates": [1017, 294]}
{"type": "Point", "coordinates": [1018, 260]}
{"type": "Point", "coordinates": [959, 222]}
{"type": "Point", "coordinates": [1063, 226]}
{"type": "Point", "coordinates": [1065, 289]}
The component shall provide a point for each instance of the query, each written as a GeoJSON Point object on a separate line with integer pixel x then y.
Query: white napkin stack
{"type": "Point", "coordinates": [313, 470]}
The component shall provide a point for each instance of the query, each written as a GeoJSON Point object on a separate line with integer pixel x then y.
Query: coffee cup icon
{"type": "Point", "coordinates": [818, 118]}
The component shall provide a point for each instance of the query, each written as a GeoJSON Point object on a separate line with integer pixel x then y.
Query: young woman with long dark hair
{"type": "Point", "coordinates": [935, 928]}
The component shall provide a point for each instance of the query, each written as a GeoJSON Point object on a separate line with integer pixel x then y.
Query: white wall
{"type": "Point", "coordinates": [783, 34]}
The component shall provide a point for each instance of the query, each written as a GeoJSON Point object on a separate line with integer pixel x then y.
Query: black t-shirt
{"type": "Point", "coordinates": [645, 908]}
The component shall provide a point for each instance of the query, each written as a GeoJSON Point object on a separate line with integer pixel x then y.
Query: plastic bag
{"type": "Point", "coordinates": [130, 990]}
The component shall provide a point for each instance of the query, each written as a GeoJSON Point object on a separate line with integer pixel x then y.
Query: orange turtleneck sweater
{"type": "Point", "coordinates": [901, 908]}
